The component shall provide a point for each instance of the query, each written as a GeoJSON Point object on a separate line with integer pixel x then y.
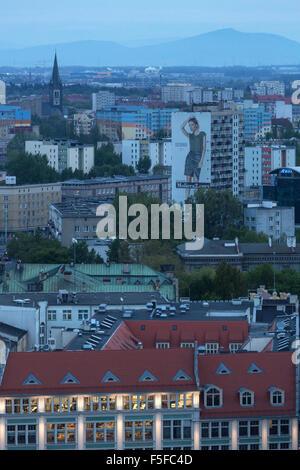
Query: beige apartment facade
{"type": "Point", "coordinates": [26, 208]}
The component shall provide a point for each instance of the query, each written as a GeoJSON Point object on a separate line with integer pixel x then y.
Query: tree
{"type": "Point", "coordinates": [244, 235]}
{"type": "Point", "coordinates": [119, 252]}
{"type": "Point", "coordinates": [221, 210]}
{"type": "Point", "coordinates": [36, 249]}
{"type": "Point", "coordinates": [144, 164]}
{"type": "Point", "coordinates": [262, 275]}
{"type": "Point", "coordinates": [83, 255]}
{"type": "Point", "coordinates": [31, 169]}
{"type": "Point", "coordinates": [200, 284]}
{"type": "Point", "coordinates": [229, 282]}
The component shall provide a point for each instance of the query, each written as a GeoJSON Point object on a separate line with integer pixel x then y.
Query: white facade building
{"type": "Point", "coordinates": [2, 92]}
{"type": "Point", "coordinates": [63, 154]}
{"type": "Point", "coordinates": [270, 219]}
{"type": "Point", "coordinates": [263, 158]}
{"type": "Point", "coordinates": [269, 87]}
{"type": "Point", "coordinates": [103, 98]}
{"type": "Point", "coordinates": [160, 152]}
{"type": "Point", "coordinates": [176, 93]}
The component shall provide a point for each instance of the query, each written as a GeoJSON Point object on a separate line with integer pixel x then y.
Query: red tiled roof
{"type": "Point", "coordinates": [278, 370]}
{"type": "Point", "coordinates": [186, 331]}
{"type": "Point", "coordinates": [122, 339]}
{"type": "Point", "coordinates": [89, 367]}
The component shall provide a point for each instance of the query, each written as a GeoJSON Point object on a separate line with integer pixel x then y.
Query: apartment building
{"type": "Point", "coordinates": [269, 218]}
{"type": "Point", "coordinates": [63, 153]}
{"type": "Point", "coordinates": [74, 219]}
{"type": "Point", "coordinates": [268, 87]}
{"type": "Point", "coordinates": [160, 152]}
{"type": "Point", "coordinates": [257, 122]}
{"type": "Point", "coordinates": [2, 92]}
{"type": "Point", "coordinates": [26, 208]}
{"type": "Point", "coordinates": [263, 158]}
{"type": "Point", "coordinates": [83, 123]}
{"type": "Point", "coordinates": [133, 122]}
{"type": "Point", "coordinates": [15, 118]}
{"type": "Point", "coordinates": [227, 148]}
{"type": "Point", "coordinates": [102, 99]}
{"type": "Point", "coordinates": [176, 93]}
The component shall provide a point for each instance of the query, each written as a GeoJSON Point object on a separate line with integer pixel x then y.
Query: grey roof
{"type": "Point", "coordinates": [11, 331]}
{"type": "Point", "coordinates": [84, 298]}
{"type": "Point", "coordinates": [114, 179]}
{"type": "Point", "coordinates": [228, 248]}
{"type": "Point", "coordinates": [79, 207]}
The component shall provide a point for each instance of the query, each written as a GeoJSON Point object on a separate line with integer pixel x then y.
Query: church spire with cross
{"type": "Point", "coordinates": [56, 88]}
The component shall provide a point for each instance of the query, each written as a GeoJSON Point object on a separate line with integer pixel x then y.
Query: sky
{"type": "Point", "coordinates": [133, 22]}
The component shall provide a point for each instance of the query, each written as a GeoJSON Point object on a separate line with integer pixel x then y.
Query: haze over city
{"type": "Point", "coordinates": [135, 23]}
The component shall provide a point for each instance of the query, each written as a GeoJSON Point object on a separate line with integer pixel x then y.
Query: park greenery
{"type": "Point", "coordinates": [39, 249]}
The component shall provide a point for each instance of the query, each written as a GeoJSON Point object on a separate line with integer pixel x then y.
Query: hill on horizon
{"type": "Point", "coordinates": [221, 48]}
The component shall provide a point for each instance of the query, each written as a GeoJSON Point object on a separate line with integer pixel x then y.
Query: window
{"type": "Point", "coordinates": [246, 398]}
{"type": "Point", "coordinates": [162, 345]}
{"type": "Point", "coordinates": [214, 429]}
{"type": "Point", "coordinates": [248, 428]}
{"type": "Point", "coordinates": [100, 403]}
{"type": "Point", "coordinates": [177, 400]}
{"type": "Point", "coordinates": [249, 447]}
{"type": "Point", "coordinates": [212, 397]}
{"type": "Point", "coordinates": [67, 316]}
{"type": "Point", "coordinates": [233, 347]}
{"type": "Point", "coordinates": [52, 315]}
{"type": "Point", "coordinates": [212, 348]}
{"type": "Point", "coordinates": [277, 397]}
{"type": "Point", "coordinates": [187, 345]}
{"type": "Point", "coordinates": [279, 427]}
{"type": "Point", "coordinates": [177, 429]}
{"type": "Point", "coordinates": [138, 402]}
{"type": "Point", "coordinates": [21, 434]}
{"type": "Point", "coordinates": [102, 431]}
{"type": "Point", "coordinates": [61, 433]}
{"type": "Point", "coordinates": [138, 430]}
{"type": "Point", "coordinates": [60, 404]}
{"type": "Point", "coordinates": [281, 446]}
{"type": "Point", "coordinates": [21, 405]}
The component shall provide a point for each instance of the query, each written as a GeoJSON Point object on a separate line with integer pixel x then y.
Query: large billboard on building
{"type": "Point", "coordinates": [191, 153]}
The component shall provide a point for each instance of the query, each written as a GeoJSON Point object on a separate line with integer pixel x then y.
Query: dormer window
{"type": "Point", "coordinates": [162, 345]}
{"type": "Point", "coordinates": [246, 397]}
{"type": "Point", "coordinates": [213, 397]}
{"type": "Point", "coordinates": [276, 396]}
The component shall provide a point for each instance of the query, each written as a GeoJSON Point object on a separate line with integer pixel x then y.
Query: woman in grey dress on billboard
{"type": "Point", "coordinates": [195, 157]}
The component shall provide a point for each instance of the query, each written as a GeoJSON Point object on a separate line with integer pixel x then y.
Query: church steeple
{"type": "Point", "coordinates": [55, 88]}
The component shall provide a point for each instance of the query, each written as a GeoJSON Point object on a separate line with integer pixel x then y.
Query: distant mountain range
{"type": "Point", "coordinates": [226, 47]}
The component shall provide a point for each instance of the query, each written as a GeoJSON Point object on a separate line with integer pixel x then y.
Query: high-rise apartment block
{"type": "Point", "coordinates": [227, 148]}
{"type": "Point", "coordinates": [263, 158]}
{"type": "Point", "coordinates": [102, 99]}
{"type": "Point", "coordinates": [62, 154]}
{"type": "Point", "coordinates": [257, 122]}
{"type": "Point", "coordinates": [2, 92]}
{"type": "Point", "coordinates": [133, 122]}
{"type": "Point", "coordinates": [159, 151]}
{"type": "Point", "coordinates": [268, 87]}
